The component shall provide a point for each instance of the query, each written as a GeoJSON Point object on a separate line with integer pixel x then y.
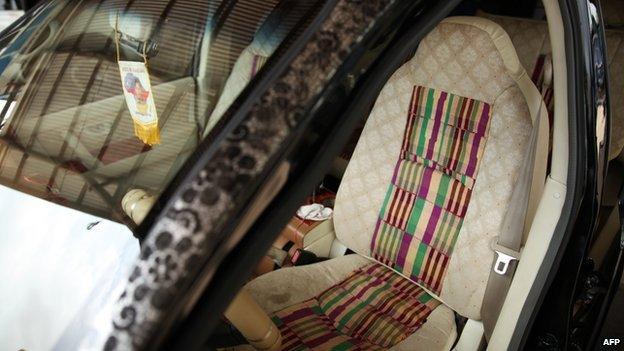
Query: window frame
{"type": "Point", "coordinates": [240, 261]}
{"type": "Point", "coordinates": [546, 317]}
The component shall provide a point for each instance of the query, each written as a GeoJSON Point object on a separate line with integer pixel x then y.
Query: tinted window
{"type": "Point", "coordinates": [67, 133]}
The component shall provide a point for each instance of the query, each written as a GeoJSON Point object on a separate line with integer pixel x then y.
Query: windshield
{"type": "Point", "coordinates": [102, 102]}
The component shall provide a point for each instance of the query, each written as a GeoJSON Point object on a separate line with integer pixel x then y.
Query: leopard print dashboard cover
{"type": "Point", "coordinates": [191, 227]}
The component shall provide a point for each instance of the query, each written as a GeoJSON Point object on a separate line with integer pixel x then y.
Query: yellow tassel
{"type": "Point", "coordinates": [148, 133]}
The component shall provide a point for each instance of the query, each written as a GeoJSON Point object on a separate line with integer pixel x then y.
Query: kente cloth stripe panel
{"type": "Point", "coordinates": [373, 309]}
{"type": "Point", "coordinates": [430, 190]}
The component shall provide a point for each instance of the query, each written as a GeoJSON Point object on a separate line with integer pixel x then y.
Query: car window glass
{"type": "Point", "coordinates": [82, 130]}
{"type": "Point", "coordinates": [80, 162]}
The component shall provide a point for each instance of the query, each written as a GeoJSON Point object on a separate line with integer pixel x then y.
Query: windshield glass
{"type": "Point", "coordinates": [101, 102]}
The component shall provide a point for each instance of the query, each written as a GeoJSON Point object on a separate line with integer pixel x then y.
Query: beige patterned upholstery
{"type": "Point", "coordinates": [467, 56]}
{"type": "Point", "coordinates": [530, 37]}
{"type": "Point", "coordinates": [239, 78]}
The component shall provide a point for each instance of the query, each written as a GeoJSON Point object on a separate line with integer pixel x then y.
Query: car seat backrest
{"type": "Point", "coordinates": [530, 37]}
{"type": "Point", "coordinates": [267, 39]}
{"type": "Point", "coordinates": [432, 175]}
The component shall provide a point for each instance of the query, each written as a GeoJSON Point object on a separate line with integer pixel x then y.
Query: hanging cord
{"type": "Point", "coordinates": [117, 38]}
{"type": "Point", "coordinates": [145, 54]}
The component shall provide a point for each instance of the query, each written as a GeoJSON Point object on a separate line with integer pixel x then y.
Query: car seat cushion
{"type": "Point", "coordinates": [322, 294]}
{"type": "Point", "coordinates": [373, 309]}
{"type": "Point", "coordinates": [288, 286]}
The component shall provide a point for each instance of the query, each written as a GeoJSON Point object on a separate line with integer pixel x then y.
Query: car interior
{"type": "Point", "coordinates": [403, 200]}
{"type": "Point", "coordinates": [431, 224]}
{"type": "Point", "coordinates": [387, 253]}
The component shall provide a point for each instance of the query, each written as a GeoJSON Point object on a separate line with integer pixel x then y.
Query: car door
{"type": "Point", "coordinates": [68, 137]}
{"type": "Point", "coordinates": [564, 309]}
{"type": "Point", "coordinates": [283, 134]}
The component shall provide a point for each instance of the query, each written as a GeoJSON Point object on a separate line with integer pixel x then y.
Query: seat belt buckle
{"type": "Point", "coordinates": [504, 256]}
{"type": "Point", "coordinates": [502, 262]}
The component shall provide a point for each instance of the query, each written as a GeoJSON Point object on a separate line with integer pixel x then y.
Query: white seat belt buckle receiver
{"type": "Point", "coordinates": [504, 256]}
{"type": "Point", "coordinates": [502, 262]}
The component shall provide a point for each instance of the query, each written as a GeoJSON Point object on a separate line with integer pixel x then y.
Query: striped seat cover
{"type": "Point", "coordinates": [372, 309]}
{"type": "Point", "coordinates": [419, 221]}
{"type": "Point", "coordinates": [431, 186]}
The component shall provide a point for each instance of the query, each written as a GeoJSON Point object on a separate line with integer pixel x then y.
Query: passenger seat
{"type": "Point", "coordinates": [531, 39]}
{"type": "Point", "coordinates": [424, 195]}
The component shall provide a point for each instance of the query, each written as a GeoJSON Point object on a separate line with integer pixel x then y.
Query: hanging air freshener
{"type": "Point", "coordinates": [137, 90]}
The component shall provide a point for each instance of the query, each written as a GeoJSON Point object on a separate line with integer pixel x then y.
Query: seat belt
{"type": "Point", "coordinates": [517, 220]}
